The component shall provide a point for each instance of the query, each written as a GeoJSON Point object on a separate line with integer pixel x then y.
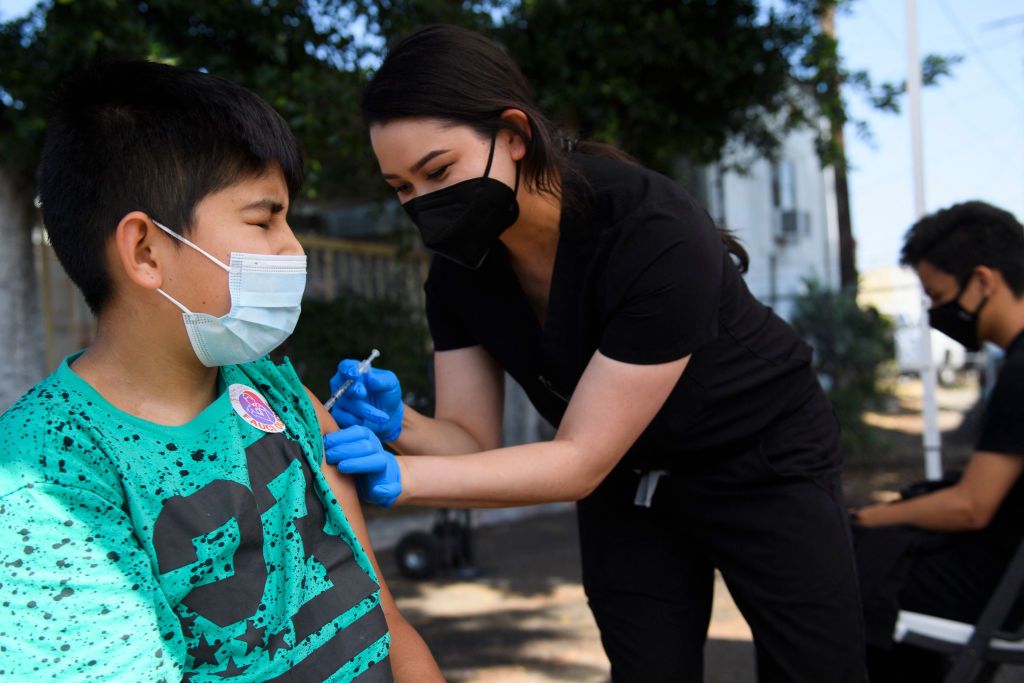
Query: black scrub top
{"type": "Point", "coordinates": [1003, 432]}
{"type": "Point", "coordinates": [641, 275]}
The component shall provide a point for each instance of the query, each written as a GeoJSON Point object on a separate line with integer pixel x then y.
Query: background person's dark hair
{"type": "Point", "coordinates": [458, 76]}
{"type": "Point", "coordinates": [960, 238]}
{"type": "Point", "coordinates": [139, 136]}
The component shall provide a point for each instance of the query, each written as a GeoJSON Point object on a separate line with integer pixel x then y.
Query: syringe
{"type": "Point", "coordinates": [363, 368]}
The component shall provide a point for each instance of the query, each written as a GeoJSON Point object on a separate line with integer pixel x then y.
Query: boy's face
{"type": "Point", "coordinates": [249, 217]}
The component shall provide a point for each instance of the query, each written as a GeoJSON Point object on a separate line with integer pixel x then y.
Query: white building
{"type": "Point", "coordinates": [785, 214]}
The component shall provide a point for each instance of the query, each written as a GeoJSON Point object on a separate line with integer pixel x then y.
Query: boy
{"type": "Point", "coordinates": [942, 553]}
{"type": "Point", "coordinates": [164, 510]}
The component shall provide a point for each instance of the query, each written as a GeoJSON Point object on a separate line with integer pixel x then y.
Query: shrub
{"type": "Point", "coordinates": [851, 347]}
{"type": "Point", "coordinates": [349, 327]}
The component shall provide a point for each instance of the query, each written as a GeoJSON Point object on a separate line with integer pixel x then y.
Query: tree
{"type": "Point", "coordinates": [664, 79]}
{"type": "Point", "coordinates": [660, 78]}
{"type": "Point", "coordinates": [388, 20]}
{"type": "Point", "coordinates": [852, 346]}
{"type": "Point", "coordinates": [286, 50]}
{"type": "Point", "coordinates": [827, 78]}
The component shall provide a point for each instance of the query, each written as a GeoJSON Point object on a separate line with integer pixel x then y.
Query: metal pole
{"type": "Point", "coordinates": [932, 437]}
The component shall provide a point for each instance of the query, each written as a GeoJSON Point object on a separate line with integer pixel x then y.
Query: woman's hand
{"type": "Point", "coordinates": [373, 401]}
{"type": "Point", "coordinates": [357, 451]}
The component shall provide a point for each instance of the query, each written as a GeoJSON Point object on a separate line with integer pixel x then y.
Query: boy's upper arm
{"type": "Point", "coordinates": [345, 490]}
{"type": "Point", "coordinates": [77, 592]}
{"type": "Point", "coordinates": [327, 423]}
{"type": "Point", "coordinates": [342, 485]}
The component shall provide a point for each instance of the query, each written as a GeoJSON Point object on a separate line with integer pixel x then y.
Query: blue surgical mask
{"type": "Point", "coordinates": [266, 297]}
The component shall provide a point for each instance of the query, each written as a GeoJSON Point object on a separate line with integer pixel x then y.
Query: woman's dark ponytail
{"type": "Point", "coordinates": [734, 247]}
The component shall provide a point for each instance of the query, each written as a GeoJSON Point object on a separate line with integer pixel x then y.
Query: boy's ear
{"type": "Point", "coordinates": [138, 248]}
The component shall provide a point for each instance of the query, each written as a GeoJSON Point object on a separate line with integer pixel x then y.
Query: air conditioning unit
{"type": "Point", "coordinates": [790, 225]}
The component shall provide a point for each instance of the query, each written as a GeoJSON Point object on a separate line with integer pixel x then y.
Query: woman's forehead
{"type": "Point", "coordinates": [400, 143]}
{"type": "Point", "coordinates": [423, 129]}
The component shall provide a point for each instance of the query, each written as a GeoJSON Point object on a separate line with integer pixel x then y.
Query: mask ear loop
{"type": "Point", "coordinates": [174, 301]}
{"type": "Point", "coordinates": [490, 156]}
{"type": "Point", "coordinates": [192, 244]}
{"type": "Point", "coordinates": [963, 288]}
{"type": "Point", "coordinates": [490, 159]}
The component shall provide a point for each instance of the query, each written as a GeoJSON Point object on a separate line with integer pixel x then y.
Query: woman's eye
{"type": "Point", "coordinates": [403, 188]}
{"type": "Point", "coordinates": [436, 175]}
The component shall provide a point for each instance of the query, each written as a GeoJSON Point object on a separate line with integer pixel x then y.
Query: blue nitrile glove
{"type": "Point", "coordinates": [374, 400]}
{"type": "Point", "coordinates": [357, 451]}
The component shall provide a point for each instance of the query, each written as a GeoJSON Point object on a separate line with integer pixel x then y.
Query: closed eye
{"type": "Point", "coordinates": [439, 173]}
{"type": "Point", "coordinates": [433, 176]}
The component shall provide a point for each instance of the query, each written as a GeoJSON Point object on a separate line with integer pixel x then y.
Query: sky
{"type": "Point", "coordinates": [972, 123]}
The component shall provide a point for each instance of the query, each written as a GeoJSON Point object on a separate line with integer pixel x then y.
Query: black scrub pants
{"type": "Point", "coordinates": [771, 517]}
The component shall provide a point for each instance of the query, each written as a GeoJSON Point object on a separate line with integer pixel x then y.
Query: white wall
{"type": "Point", "coordinates": [744, 203]}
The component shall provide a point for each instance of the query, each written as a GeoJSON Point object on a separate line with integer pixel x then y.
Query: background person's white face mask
{"type": "Point", "coordinates": [266, 297]}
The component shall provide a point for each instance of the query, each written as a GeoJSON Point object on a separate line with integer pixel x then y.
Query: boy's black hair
{"type": "Point", "coordinates": [140, 136]}
{"type": "Point", "coordinates": [960, 238]}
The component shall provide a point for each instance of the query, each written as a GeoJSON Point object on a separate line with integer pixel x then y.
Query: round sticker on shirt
{"type": "Point", "coordinates": [254, 409]}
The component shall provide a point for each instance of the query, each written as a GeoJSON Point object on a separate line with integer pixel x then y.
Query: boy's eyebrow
{"type": "Point", "coordinates": [419, 164]}
{"type": "Point", "coordinates": [272, 205]}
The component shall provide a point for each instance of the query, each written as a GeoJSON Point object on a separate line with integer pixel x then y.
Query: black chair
{"type": "Point", "coordinates": [977, 650]}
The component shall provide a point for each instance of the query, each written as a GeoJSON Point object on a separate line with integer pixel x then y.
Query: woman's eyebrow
{"type": "Point", "coordinates": [419, 164]}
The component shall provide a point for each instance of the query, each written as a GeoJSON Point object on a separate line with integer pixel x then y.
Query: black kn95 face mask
{"type": "Point", "coordinates": [463, 221]}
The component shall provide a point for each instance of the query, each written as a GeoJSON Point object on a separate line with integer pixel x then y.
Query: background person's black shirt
{"type": "Point", "coordinates": [1003, 432]}
{"type": "Point", "coordinates": [642, 275]}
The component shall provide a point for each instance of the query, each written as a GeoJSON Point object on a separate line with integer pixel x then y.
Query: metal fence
{"type": "Point", "coordinates": [68, 325]}
{"type": "Point", "coordinates": [375, 271]}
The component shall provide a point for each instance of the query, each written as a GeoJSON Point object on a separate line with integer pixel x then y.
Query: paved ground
{"type": "Point", "coordinates": [525, 618]}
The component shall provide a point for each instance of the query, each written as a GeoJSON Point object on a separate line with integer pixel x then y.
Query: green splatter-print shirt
{"type": "Point", "coordinates": [210, 551]}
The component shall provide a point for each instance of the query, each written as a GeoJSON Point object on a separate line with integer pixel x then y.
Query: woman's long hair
{"type": "Point", "coordinates": [458, 76]}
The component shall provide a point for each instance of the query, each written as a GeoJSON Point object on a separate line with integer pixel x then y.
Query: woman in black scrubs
{"type": "Point", "coordinates": [691, 428]}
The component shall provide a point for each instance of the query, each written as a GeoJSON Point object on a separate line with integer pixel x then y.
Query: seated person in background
{"type": "Point", "coordinates": [164, 509]}
{"type": "Point", "coordinates": [942, 553]}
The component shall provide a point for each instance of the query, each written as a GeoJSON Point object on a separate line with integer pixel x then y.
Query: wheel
{"type": "Point", "coordinates": [417, 555]}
